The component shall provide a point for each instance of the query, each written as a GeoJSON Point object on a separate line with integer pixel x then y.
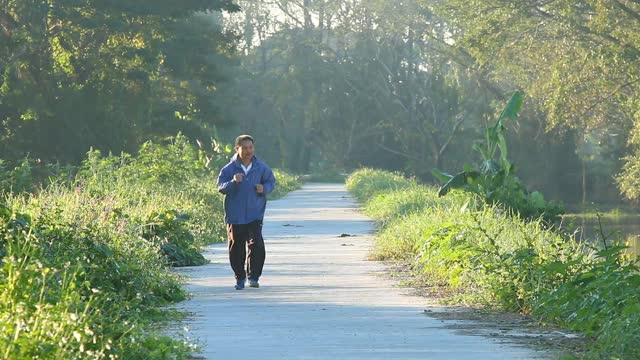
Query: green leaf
{"type": "Point", "coordinates": [613, 252]}
{"type": "Point", "coordinates": [537, 200]}
{"type": "Point", "coordinates": [513, 106]}
{"type": "Point", "coordinates": [460, 180]}
{"type": "Point", "coordinates": [467, 167]}
{"type": "Point", "coordinates": [502, 144]}
{"type": "Point", "coordinates": [556, 267]}
{"type": "Point", "coordinates": [441, 175]}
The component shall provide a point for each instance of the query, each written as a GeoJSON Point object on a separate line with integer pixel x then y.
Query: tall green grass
{"type": "Point", "coordinates": [483, 255]}
{"type": "Point", "coordinates": [367, 183]}
{"type": "Point", "coordinates": [285, 183]}
{"type": "Point", "coordinates": [85, 265]}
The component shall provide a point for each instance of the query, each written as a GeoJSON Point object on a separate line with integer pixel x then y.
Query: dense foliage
{"type": "Point", "coordinates": [577, 58]}
{"type": "Point", "coordinates": [108, 75]}
{"type": "Point", "coordinates": [495, 181]}
{"type": "Point", "coordinates": [481, 255]}
{"type": "Point", "coordinates": [85, 261]}
{"type": "Point", "coordinates": [331, 85]}
{"type": "Point", "coordinates": [629, 178]}
{"type": "Point", "coordinates": [337, 84]}
{"type": "Point", "coordinates": [405, 86]}
{"type": "Point", "coordinates": [90, 90]}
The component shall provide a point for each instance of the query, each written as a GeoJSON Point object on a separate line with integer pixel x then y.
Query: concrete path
{"type": "Point", "coordinates": [319, 296]}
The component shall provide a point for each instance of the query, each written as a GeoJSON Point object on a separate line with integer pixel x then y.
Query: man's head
{"type": "Point", "coordinates": [244, 147]}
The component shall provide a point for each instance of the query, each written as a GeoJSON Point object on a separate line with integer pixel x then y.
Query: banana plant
{"type": "Point", "coordinates": [493, 171]}
{"type": "Point", "coordinates": [496, 182]}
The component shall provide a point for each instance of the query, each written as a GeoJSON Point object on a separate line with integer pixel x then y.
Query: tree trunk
{"type": "Point", "coordinates": [584, 182]}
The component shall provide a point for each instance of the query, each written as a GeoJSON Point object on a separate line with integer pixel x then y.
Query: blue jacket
{"type": "Point", "coordinates": [242, 204]}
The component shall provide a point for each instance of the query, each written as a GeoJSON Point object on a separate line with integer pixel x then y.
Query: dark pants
{"type": "Point", "coordinates": [240, 237]}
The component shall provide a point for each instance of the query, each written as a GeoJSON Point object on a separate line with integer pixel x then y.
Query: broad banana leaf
{"type": "Point", "coordinates": [442, 176]}
{"type": "Point", "coordinates": [458, 181]}
{"type": "Point", "coordinates": [513, 107]}
{"type": "Point", "coordinates": [467, 167]}
{"type": "Point", "coordinates": [510, 112]}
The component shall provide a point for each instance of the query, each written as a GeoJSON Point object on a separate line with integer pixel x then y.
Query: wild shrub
{"type": "Point", "coordinates": [169, 231]}
{"type": "Point", "coordinates": [85, 265]}
{"type": "Point", "coordinates": [162, 179]}
{"type": "Point", "coordinates": [28, 175]}
{"type": "Point", "coordinates": [285, 183]}
{"type": "Point", "coordinates": [495, 181]}
{"type": "Point", "coordinates": [482, 255]}
{"type": "Point", "coordinates": [66, 294]}
{"type": "Point", "coordinates": [601, 299]}
{"type": "Point", "coordinates": [486, 255]}
{"type": "Point", "coordinates": [170, 164]}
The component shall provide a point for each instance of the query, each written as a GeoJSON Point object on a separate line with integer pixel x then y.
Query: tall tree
{"type": "Point", "coordinates": [346, 73]}
{"type": "Point", "coordinates": [579, 61]}
{"type": "Point", "coordinates": [103, 74]}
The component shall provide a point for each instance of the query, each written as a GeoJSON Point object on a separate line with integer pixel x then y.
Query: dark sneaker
{"type": "Point", "coordinates": [239, 284]}
{"type": "Point", "coordinates": [254, 283]}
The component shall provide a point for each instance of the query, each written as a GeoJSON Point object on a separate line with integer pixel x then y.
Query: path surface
{"type": "Point", "coordinates": [319, 296]}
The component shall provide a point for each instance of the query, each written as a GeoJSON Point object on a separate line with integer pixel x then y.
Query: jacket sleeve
{"type": "Point", "coordinates": [268, 180]}
{"type": "Point", "coordinates": [225, 180]}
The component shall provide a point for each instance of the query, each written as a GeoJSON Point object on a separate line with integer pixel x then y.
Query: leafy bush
{"type": "Point", "coordinates": [168, 230]}
{"type": "Point", "coordinates": [155, 164]}
{"type": "Point", "coordinates": [29, 175]}
{"type": "Point", "coordinates": [85, 264]}
{"type": "Point", "coordinates": [481, 254]}
{"type": "Point", "coordinates": [66, 295]}
{"type": "Point", "coordinates": [484, 255]}
{"type": "Point", "coordinates": [629, 178]}
{"type": "Point", "coordinates": [285, 183]}
{"type": "Point", "coordinates": [496, 182]}
{"type": "Point", "coordinates": [600, 299]}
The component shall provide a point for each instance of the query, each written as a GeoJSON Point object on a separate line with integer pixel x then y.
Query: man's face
{"type": "Point", "coordinates": [245, 150]}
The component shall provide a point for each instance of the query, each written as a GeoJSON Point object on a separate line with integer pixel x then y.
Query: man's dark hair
{"type": "Point", "coordinates": [242, 138]}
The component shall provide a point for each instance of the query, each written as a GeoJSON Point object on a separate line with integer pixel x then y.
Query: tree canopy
{"type": "Point", "coordinates": [107, 74]}
{"type": "Point", "coordinates": [336, 84]}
